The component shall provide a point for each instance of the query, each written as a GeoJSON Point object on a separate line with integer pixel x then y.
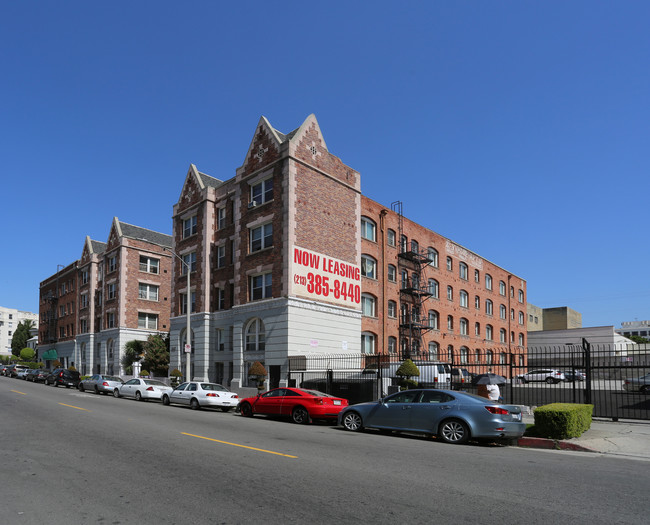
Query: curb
{"type": "Point", "coordinates": [551, 444]}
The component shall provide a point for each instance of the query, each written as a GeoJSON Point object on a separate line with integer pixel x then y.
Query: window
{"type": "Point", "coordinates": [512, 314]}
{"type": "Point", "coordinates": [261, 237]}
{"type": "Point", "coordinates": [450, 264]}
{"type": "Point", "coordinates": [255, 336]}
{"type": "Point", "coordinates": [221, 256]}
{"type": "Point", "coordinates": [477, 329]}
{"type": "Point", "coordinates": [149, 265]}
{"type": "Point", "coordinates": [190, 260]}
{"type": "Point", "coordinates": [83, 326]}
{"type": "Point", "coordinates": [84, 277]}
{"type": "Point", "coordinates": [432, 255]}
{"type": "Point", "coordinates": [368, 267]}
{"type": "Point", "coordinates": [189, 227]}
{"type": "Point", "coordinates": [462, 270]}
{"type": "Point", "coordinates": [84, 300]}
{"type": "Point", "coordinates": [220, 343]}
{"type": "Point", "coordinates": [403, 243]}
{"type": "Point", "coordinates": [368, 229]}
{"type": "Point", "coordinates": [488, 332]}
{"type": "Point", "coordinates": [477, 355]}
{"type": "Point", "coordinates": [521, 339]}
{"type": "Point", "coordinates": [111, 290]}
{"type": "Point", "coordinates": [450, 293]}
{"type": "Point", "coordinates": [184, 303]}
{"type": "Point", "coordinates": [512, 291]}
{"type": "Point", "coordinates": [260, 286]}
{"type": "Point", "coordinates": [464, 326]}
{"type": "Point", "coordinates": [502, 358]}
{"type": "Point", "coordinates": [477, 276]}
{"type": "Point", "coordinates": [221, 298]}
{"type": "Point", "coordinates": [489, 357]}
{"type": "Point", "coordinates": [367, 343]}
{"type": "Point", "coordinates": [392, 273]}
{"type": "Point", "coordinates": [392, 345]}
{"type": "Point", "coordinates": [433, 350]}
{"type": "Point", "coordinates": [112, 264]}
{"type": "Point", "coordinates": [148, 321]}
{"type": "Point", "coordinates": [148, 292]}
{"type": "Point", "coordinates": [502, 311]}
{"type": "Point", "coordinates": [415, 247]}
{"type": "Point", "coordinates": [392, 309]}
{"type": "Point", "coordinates": [464, 355]}
{"type": "Point", "coordinates": [521, 317]}
{"type": "Point", "coordinates": [390, 237]}
{"type": "Point", "coordinates": [450, 323]}
{"type": "Point", "coordinates": [502, 335]}
{"type": "Point", "coordinates": [434, 288]}
{"type": "Point", "coordinates": [464, 299]}
{"type": "Point", "coordinates": [433, 319]}
{"type": "Point", "coordinates": [110, 320]}
{"type": "Point", "coordinates": [488, 281]}
{"type": "Point", "coordinates": [477, 302]}
{"type": "Point", "coordinates": [488, 307]}
{"type": "Point", "coordinates": [221, 218]}
{"type": "Point", "coordinates": [368, 305]}
{"type": "Point", "coordinates": [502, 288]}
{"type": "Point", "coordinates": [262, 191]}
{"type": "Point", "coordinates": [521, 296]}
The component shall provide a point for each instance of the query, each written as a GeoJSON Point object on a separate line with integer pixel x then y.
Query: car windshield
{"type": "Point", "coordinates": [153, 382]}
{"type": "Point", "coordinates": [213, 386]}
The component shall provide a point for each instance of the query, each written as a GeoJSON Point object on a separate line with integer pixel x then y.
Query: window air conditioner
{"type": "Point", "coordinates": [252, 204]}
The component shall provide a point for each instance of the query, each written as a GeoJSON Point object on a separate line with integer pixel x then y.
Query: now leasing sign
{"type": "Point", "coordinates": [322, 278]}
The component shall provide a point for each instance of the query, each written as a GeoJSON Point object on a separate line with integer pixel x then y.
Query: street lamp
{"type": "Point", "coordinates": [188, 345]}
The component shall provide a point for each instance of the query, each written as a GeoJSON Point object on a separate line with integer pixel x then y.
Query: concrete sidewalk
{"type": "Point", "coordinates": [622, 438]}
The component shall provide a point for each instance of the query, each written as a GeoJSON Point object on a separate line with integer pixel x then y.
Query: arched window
{"type": "Point", "coordinates": [488, 332]}
{"type": "Point", "coordinates": [464, 355]}
{"type": "Point", "coordinates": [464, 326]}
{"type": "Point", "coordinates": [432, 255]}
{"type": "Point", "coordinates": [433, 350]}
{"type": "Point", "coordinates": [462, 270]}
{"type": "Point", "coordinates": [403, 243]}
{"type": "Point", "coordinates": [415, 247]}
{"type": "Point", "coordinates": [503, 358]}
{"type": "Point", "coordinates": [450, 293]}
{"type": "Point", "coordinates": [255, 336]}
{"type": "Point", "coordinates": [464, 299]}
{"type": "Point", "coordinates": [368, 305]}
{"type": "Point", "coordinates": [368, 266]}
{"type": "Point", "coordinates": [450, 264]}
{"type": "Point", "coordinates": [450, 353]}
{"type": "Point", "coordinates": [390, 237]}
{"type": "Point", "coordinates": [521, 339]}
{"type": "Point", "coordinates": [477, 329]}
{"type": "Point", "coordinates": [392, 273]}
{"type": "Point", "coordinates": [434, 319]}
{"type": "Point", "coordinates": [488, 281]}
{"type": "Point", "coordinates": [502, 335]}
{"type": "Point", "coordinates": [392, 345]}
{"type": "Point", "coordinates": [450, 323]}
{"type": "Point", "coordinates": [502, 311]}
{"type": "Point", "coordinates": [477, 355]}
{"type": "Point", "coordinates": [521, 296]}
{"type": "Point", "coordinates": [489, 357]}
{"type": "Point", "coordinates": [488, 307]}
{"type": "Point", "coordinates": [367, 342]}
{"type": "Point", "coordinates": [502, 288]}
{"type": "Point", "coordinates": [392, 309]}
{"type": "Point", "coordinates": [434, 288]}
{"type": "Point", "coordinates": [368, 229]}
{"type": "Point", "coordinates": [521, 317]}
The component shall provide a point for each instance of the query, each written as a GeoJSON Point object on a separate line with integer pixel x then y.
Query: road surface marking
{"type": "Point", "coordinates": [242, 446]}
{"type": "Point", "coordinates": [16, 391]}
{"type": "Point", "coordinates": [72, 406]}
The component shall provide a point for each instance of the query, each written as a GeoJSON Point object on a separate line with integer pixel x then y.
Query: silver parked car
{"type": "Point", "coordinates": [549, 375]}
{"type": "Point", "coordinates": [455, 417]}
{"type": "Point", "coordinates": [637, 384]}
{"type": "Point", "coordinates": [101, 384]}
{"type": "Point", "coordinates": [196, 395]}
{"type": "Point", "coordinates": [142, 389]}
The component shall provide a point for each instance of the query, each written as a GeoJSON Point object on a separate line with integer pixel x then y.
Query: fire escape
{"type": "Point", "coordinates": [51, 316]}
{"type": "Point", "coordinates": [414, 291]}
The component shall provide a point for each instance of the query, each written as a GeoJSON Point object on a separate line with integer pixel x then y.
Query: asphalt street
{"type": "Point", "coordinates": [71, 457]}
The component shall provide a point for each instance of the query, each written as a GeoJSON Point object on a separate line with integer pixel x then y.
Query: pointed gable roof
{"type": "Point", "coordinates": [124, 229]}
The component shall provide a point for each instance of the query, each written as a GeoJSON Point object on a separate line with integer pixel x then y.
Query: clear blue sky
{"type": "Point", "coordinates": [517, 129]}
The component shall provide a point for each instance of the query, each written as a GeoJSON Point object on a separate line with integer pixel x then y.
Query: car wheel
{"type": "Point", "coordinates": [165, 400]}
{"type": "Point", "coordinates": [194, 404]}
{"type": "Point", "coordinates": [645, 389]}
{"type": "Point", "coordinates": [300, 416]}
{"type": "Point", "coordinates": [550, 380]}
{"type": "Point", "coordinates": [116, 393]}
{"type": "Point", "coordinates": [454, 431]}
{"type": "Point", "coordinates": [352, 421]}
{"type": "Point", "coordinates": [96, 389]}
{"type": "Point", "coordinates": [81, 387]}
{"type": "Point", "coordinates": [225, 409]}
{"type": "Point", "coordinates": [138, 396]}
{"type": "Point", "coordinates": [246, 410]}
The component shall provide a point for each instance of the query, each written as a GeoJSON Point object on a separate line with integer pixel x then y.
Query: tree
{"type": "Point", "coordinates": [407, 370]}
{"type": "Point", "coordinates": [21, 336]}
{"type": "Point", "coordinates": [156, 355]}
{"type": "Point", "coordinates": [257, 373]}
{"type": "Point", "coordinates": [133, 351]}
{"type": "Point", "coordinates": [638, 339]}
{"type": "Point", "coordinates": [27, 354]}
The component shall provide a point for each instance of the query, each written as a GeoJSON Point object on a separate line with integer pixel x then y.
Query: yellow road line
{"type": "Point", "coordinates": [16, 391]}
{"type": "Point", "coordinates": [72, 406]}
{"type": "Point", "coordinates": [241, 446]}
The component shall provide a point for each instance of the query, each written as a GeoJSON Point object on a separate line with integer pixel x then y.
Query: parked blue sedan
{"type": "Point", "coordinates": [455, 417]}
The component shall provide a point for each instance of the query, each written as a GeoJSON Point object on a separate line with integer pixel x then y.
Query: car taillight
{"type": "Point", "coordinates": [211, 394]}
{"type": "Point", "coordinates": [626, 382]}
{"type": "Point", "coordinates": [318, 400]}
{"type": "Point", "coordinates": [150, 389]}
{"type": "Point", "coordinates": [60, 374]}
{"type": "Point", "coordinates": [234, 396]}
{"type": "Point", "coordinates": [104, 383]}
{"type": "Point", "coordinates": [497, 410]}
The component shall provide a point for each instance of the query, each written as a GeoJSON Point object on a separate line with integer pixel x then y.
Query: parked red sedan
{"type": "Point", "coordinates": [297, 403]}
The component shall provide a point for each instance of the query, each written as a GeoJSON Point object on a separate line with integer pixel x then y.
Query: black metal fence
{"type": "Point", "coordinates": [616, 380]}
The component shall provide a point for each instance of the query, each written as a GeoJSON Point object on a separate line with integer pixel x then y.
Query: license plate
{"type": "Point", "coordinates": [516, 417]}
{"type": "Point", "coordinates": [337, 402]}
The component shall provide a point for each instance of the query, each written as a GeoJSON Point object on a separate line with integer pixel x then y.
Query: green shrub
{"type": "Point", "coordinates": [144, 373]}
{"type": "Point", "coordinates": [562, 420]}
{"type": "Point", "coordinates": [27, 354]}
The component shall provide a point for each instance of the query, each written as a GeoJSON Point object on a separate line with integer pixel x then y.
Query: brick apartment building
{"type": "Point", "coordinates": [116, 292]}
{"type": "Point", "coordinates": [287, 258]}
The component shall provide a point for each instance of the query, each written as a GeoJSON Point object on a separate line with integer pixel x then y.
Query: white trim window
{"type": "Point", "coordinates": [502, 335]}
{"type": "Point", "coordinates": [262, 191]}
{"type": "Point", "coordinates": [391, 237]}
{"type": "Point", "coordinates": [477, 329]}
{"type": "Point", "coordinates": [111, 263]}
{"type": "Point", "coordinates": [368, 229]}
{"type": "Point", "coordinates": [392, 273]}
{"type": "Point", "coordinates": [489, 332]}
{"type": "Point", "coordinates": [432, 255]}
{"type": "Point", "coordinates": [221, 256]}
{"type": "Point", "coordinates": [434, 288]}
{"type": "Point", "coordinates": [464, 299]}
{"type": "Point", "coordinates": [221, 218]}
{"type": "Point", "coordinates": [255, 336]}
{"type": "Point", "coordinates": [464, 355]}
{"type": "Point", "coordinates": [502, 288]}
{"type": "Point", "coordinates": [450, 293]}
{"type": "Point", "coordinates": [464, 326]}
{"type": "Point", "coordinates": [149, 264]}
{"type": "Point", "coordinates": [190, 227]}
{"type": "Point", "coordinates": [502, 311]}
{"type": "Point", "coordinates": [147, 321]}
{"type": "Point", "coordinates": [84, 277]}
{"type": "Point", "coordinates": [148, 291]}
{"type": "Point", "coordinates": [261, 237]}
{"type": "Point", "coordinates": [367, 343]}
{"type": "Point", "coordinates": [450, 264]}
{"type": "Point", "coordinates": [433, 319]}
{"type": "Point", "coordinates": [521, 296]}
{"type": "Point", "coordinates": [368, 267]}
{"type": "Point", "coordinates": [488, 307]}
{"type": "Point", "coordinates": [392, 345]}
{"type": "Point", "coordinates": [190, 260]}
{"type": "Point", "coordinates": [463, 271]}
{"type": "Point", "coordinates": [261, 286]}
{"type": "Point", "coordinates": [392, 309]}
{"type": "Point", "coordinates": [84, 300]}
{"type": "Point", "coordinates": [488, 281]}
{"type": "Point", "coordinates": [368, 305]}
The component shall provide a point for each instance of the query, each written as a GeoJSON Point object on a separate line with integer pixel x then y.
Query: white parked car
{"type": "Point", "coordinates": [142, 389]}
{"type": "Point", "coordinates": [197, 395]}
{"type": "Point", "coordinates": [542, 374]}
